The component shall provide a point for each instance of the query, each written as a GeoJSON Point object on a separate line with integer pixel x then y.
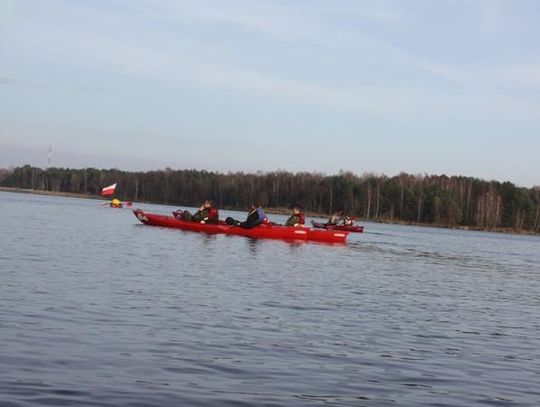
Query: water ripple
{"type": "Point", "coordinates": [101, 311]}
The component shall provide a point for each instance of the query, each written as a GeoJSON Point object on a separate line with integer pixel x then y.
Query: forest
{"type": "Point", "coordinates": [436, 200]}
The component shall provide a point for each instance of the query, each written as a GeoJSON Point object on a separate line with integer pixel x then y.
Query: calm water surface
{"type": "Point", "coordinates": [97, 309]}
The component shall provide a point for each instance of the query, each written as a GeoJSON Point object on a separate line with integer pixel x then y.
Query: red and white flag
{"type": "Point", "coordinates": [108, 190]}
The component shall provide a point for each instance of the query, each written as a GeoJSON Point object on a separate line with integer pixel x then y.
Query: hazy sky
{"type": "Point", "coordinates": [368, 86]}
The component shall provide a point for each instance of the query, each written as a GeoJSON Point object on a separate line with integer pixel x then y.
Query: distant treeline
{"type": "Point", "coordinates": [420, 199]}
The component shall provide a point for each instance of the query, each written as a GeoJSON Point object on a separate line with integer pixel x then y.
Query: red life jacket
{"type": "Point", "coordinates": [213, 214]}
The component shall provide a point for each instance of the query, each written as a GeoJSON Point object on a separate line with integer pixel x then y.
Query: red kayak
{"type": "Point", "coordinates": [349, 228]}
{"type": "Point", "coordinates": [264, 231]}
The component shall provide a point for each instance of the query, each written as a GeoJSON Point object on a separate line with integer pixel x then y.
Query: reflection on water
{"type": "Point", "coordinates": [97, 309]}
{"type": "Point", "coordinates": [253, 245]}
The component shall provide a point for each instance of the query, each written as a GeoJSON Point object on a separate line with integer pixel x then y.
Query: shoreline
{"type": "Point", "coordinates": [282, 211]}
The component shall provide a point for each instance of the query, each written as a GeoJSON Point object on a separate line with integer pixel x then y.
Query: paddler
{"type": "Point", "coordinates": [256, 217]}
{"type": "Point", "coordinates": [335, 218]}
{"type": "Point", "coordinates": [115, 203]}
{"type": "Point", "coordinates": [297, 219]}
{"type": "Point", "coordinates": [207, 213]}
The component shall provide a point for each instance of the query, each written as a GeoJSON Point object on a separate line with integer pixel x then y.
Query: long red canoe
{"type": "Point", "coordinates": [348, 228]}
{"type": "Point", "coordinates": [264, 231]}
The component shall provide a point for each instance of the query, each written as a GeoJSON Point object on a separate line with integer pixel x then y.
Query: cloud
{"type": "Point", "coordinates": [491, 15]}
{"type": "Point", "coordinates": [523, 75]}
{"type": "Point", "coordinates": [4, 80]}
{"type": "Point", "coordinates": [290, 21]}
{"type": "Point", "coordinates": [366, 99]}
{"type": "Point", "coordinates": [148, 48]}
{"type": "Point", "coordinates": [182, 65]}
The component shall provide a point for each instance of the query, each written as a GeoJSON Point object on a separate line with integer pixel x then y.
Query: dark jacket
{"type": "Point", "coordinates": [208, 215]}
{"type": "Point", "coordinates": [254, 218]}
{"type": "Point", "coordinates": [297, 219]}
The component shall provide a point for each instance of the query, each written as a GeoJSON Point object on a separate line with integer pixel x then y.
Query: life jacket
{"type": "Point", "coordinates": [302, 219]}
{"type": "Point", "coordinates": [255, 218]}
{"type": "Point", "coordinates": [213, 215]}
{"type": "Point", "coordinates": [261, 216]}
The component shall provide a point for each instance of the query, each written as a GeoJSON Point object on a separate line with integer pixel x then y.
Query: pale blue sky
{"type": "Point", "coordinates": [379, 86]}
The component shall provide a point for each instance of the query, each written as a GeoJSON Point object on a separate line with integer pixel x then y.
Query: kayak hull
{"type": "Point", "coordinates": [264, 231]}
{"type": "Point", "coordinates": [351, 228]}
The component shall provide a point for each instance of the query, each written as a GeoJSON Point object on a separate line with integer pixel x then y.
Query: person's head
{"type": "Point", "coordinates": [296, 209]}
{"type": "Point", "coordinates": [254, 205]}
{"type": "Point", "coordinates": [208, 203]}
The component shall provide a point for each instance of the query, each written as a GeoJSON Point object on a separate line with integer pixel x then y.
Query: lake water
{"type": "Point", "coordinates": [97, 309]}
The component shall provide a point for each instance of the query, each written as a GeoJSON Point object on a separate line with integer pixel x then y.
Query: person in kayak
{"type": "Point", "coordinates": [256, 217]}
{"type": "Point", "coordinates": [297, 219]}
{"type": "Point", "coordinates": [115, 203]}
{"type": "Point", "coordinates": [334, 218]}
{"type": "Point", "coordinates": [207, 213]}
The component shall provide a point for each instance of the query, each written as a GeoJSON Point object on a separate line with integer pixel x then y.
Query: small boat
{"type": "Point", "coordinates": [347, 228]}
{"type": "Point", "coordinates": [115, 203]}
{"type": "Point", "coordinates": [264, 231]}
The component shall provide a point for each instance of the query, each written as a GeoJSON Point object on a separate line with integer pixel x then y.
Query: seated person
{"type": "Point", "coordinates": [335, 218]}
{"type": "Point", "coordinates": [297, 218]}
{"type": "Point", "coordinates": [207, 213]}
{"type": "Point", "coordinates": [115, 203]}
{"type": "Point", "coordinates": [256, 217]}
{"type": "Point", "coordinates": [348, 221]}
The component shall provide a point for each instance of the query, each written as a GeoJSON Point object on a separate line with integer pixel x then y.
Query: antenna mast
{"type": "Point", "coordinates": [49, 157]}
